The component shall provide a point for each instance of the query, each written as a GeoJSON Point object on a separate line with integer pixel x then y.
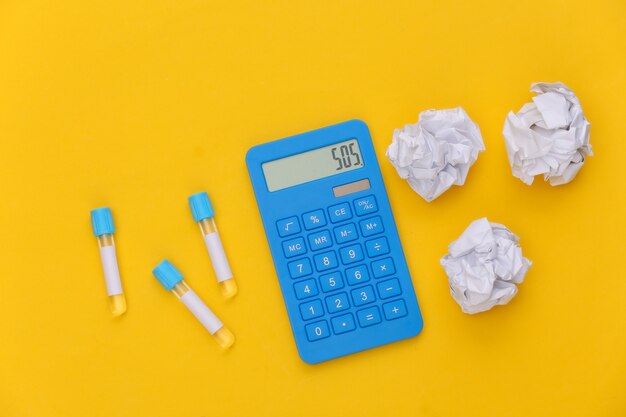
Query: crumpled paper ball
{"type": "Point", "coordinates": [549, 136]}
{"type": "Point", "coordinates": [437, 151]}
{"type": "Point", "coordinates": [484, 265]}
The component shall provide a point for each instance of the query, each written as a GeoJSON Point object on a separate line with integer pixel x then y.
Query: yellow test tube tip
{"type": "Point", "coordinates": [224, 337]}
{"type": "Point", "coordinates": [229, 287]}
{"type": "Point", "coordinates": [117, 303]}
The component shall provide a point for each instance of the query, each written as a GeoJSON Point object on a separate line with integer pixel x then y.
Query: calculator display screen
{"type": "Point", "coordinates": [313, 165]}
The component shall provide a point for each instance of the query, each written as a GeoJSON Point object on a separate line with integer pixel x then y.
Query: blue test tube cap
{"type": "Point", "coordinates": [201, 207]}
{"type": "Point", "coordinates": [102, 221]}
{"type": "Point", "coordinates": [167, 274]}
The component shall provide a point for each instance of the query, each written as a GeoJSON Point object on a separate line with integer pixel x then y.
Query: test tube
{"type": "Point", "coordinates": [172, 280]}
{"type": "Point", "coordinates": [103, 228]}
{"type": "Point", "coordinates": [203, 213]}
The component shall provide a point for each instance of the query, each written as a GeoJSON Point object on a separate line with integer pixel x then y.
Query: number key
{"type": "Point", "coordinates": [317, 331]}
{"type": "Point", "coordinates": [363, 295]}
{"type": "Point", "coordinates": [311, 310]}
{"type": "Point", "coordinates": [331, 282]}
{"type": "Point", "coordinates": [326, 260]}
{"type": "Point", "coordinates": [351, 254]}
{"type": "Point", "coordinates": [337, 302]}
{"type": "Point", "coordinates": [300, 268]}
{"type": "Point", "coordinates": [305, 289]}
{"type": "Point", "coordinates": [357, 275]}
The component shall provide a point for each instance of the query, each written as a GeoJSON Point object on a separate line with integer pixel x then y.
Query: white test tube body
{"type": "Point", "coordinates": [205, 316]}
{"type": "Point", "coordinates": [220, 264]}
{"type": "Point", "coordinates": [108, 257]}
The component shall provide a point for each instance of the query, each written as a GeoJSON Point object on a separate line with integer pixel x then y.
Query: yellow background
{"type": "Point", "coordinates": [136, 105]}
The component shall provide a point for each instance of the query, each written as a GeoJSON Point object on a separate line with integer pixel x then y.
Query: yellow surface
{"type": "Point", "coordinates": [137, 105]}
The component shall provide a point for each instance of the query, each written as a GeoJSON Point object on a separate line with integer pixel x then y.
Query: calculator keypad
{"type": "Point", "coordinates": [339, 256]}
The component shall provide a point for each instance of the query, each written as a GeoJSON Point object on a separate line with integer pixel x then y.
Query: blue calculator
{"type": "Point", "coordinates": [334, 241]}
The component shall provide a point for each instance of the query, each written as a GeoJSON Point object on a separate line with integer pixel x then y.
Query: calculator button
{"type": "Point", "coordinates": [363, 295]}
{"type": "Point", "coordinates": [357, 275]}
{"type": "Point", "coordinates": [300, 268]}
{"type": "Point", "coordinates": [389, 288]}
{"type": "Point", "coordinates": [326, 260]}
{"type": "Point", "coordinates": [317, 331]}
{"type": "Point", "coordinates": [311, 310]}
{"type": "Point", "coordinates": [287, 227]}
{"type": "Point", "coordinates": [294, 247]}
{"type": "Point", "coordinates": [383, 268]}
{"type": "Point", "coordinates": [314, 219]}
{"type": "Point", "coordinates": [369, 316]}
{"type": "Point", "coordinates": [370, 227]}
{"type": "Point", "coordinates": [320, 240]}
{"type": "Point", "coordinates": [340, 212]}
{"type": "Point", "coordinates": [394, 309]}
{"type": "Point", "coordinates": [343, 324]}
{"type": "Point", "coordinates": [331, 282]}
{"type": "Point", "coordinates": [305, 289]}
{"type": "Point", "coordinates": [351, 254]}
{"type": "Point", "coordinates": [346, 233]}
{"type": "Point", "coordinates": [337, 302]}
{"type": "Point", "coordinates": [376, 247]}
{"type": "Point", "coordinates": [365, 205]}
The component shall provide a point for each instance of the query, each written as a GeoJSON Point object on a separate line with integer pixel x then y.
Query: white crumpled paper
{"type": "Point", "coordinates": [437, 152]}
{"type": "Point", "coordinates": [549, 136]}
{"type": "Point", "coordinates": [483, 266]}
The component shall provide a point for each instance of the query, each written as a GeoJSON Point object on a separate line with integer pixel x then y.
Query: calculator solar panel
{"type": "Point", "coordinates": [334, 242]}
